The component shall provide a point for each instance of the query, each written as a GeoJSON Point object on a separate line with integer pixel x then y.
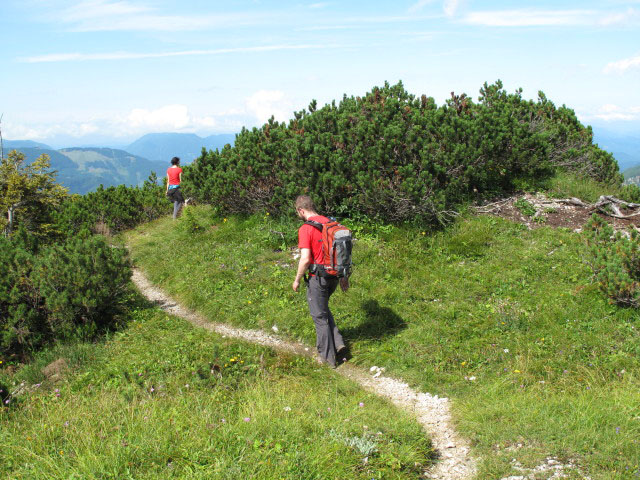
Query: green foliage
{"type": "Point", "coordinates": [29, 194]}
{"type": "Point", "coordinates": [392, 156]}
{"type": "Point", "coordinates": [483, 299]}
{"type": "Point", "coordinates": [113, 209]}
{"type": "Point", "coordinates": [189, 223]}
{"type": "Point", "coordinates": [84, 284]}
{"type": "Point", "coordinates": [630, 193]}
{"type": "Point", "coordinates": [163, 399]}
{"type": "Point", "coordinates": [73, 289]}
{"type": "Point", "coordinates": [615, 261]}
{"type": "Point", "coordinates": [525, 207]}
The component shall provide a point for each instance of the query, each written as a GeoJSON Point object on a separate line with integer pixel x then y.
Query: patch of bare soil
{"type": "Point", "coordinates": [537, 210]}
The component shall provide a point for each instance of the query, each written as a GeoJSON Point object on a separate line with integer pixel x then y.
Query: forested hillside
{"type": "Point", "coordinates": [82, 170]}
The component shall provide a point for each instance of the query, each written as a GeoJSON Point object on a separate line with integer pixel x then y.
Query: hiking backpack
{"type": "Point", "coordinates": [336, 249]}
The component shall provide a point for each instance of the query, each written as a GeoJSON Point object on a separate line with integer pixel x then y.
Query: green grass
{"type": "Point", "coordinates": [564, 185]}
{"type": "Point", "coordinates": [555, 364]}
{"type": "Point", "coordinates": [161, 399]}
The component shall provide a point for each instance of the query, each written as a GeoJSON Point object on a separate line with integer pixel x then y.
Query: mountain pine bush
{"type": "Point", "coordinates": [84, 284]}
{"type": "Point", "coordinates": [114, 209]}
{"type": "Point", "coordinates": [394, 156]}
{"type": "Point", "coordinates": [76, 288]}
{"type": "Point", "coordinates": [615, 261]}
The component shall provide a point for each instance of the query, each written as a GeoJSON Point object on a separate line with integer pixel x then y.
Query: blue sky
{"type": "Point", "coordinates": [81, 72]}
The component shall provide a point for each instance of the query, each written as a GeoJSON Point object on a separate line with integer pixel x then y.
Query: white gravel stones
{"type": "Point", "coordinates": [551, 465]}
{"type": "Point", "coordinates": [431, 411]}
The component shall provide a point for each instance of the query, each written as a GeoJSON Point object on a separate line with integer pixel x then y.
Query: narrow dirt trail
{"type": "Point", "coordinates": [455, 461]}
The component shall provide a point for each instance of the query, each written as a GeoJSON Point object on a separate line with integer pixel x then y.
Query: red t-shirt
{"type": "Point", "coordinates": [174, 175]}
{"type": "Point", "coordinates": [311, 237]}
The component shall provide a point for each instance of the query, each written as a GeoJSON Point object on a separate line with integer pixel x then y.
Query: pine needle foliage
{"type": "Point", "coordinates": [393, 156]}
{"type": "Point", "coordinates": [73, 289]}
{"type": "Point", "coordinates": [113, 209]}
{"type": "Point", "coordinates": [615, 261]}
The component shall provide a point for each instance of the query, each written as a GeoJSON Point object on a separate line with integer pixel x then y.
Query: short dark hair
{"type": "Point", "coordinates": [175, 161]}
{"type": "Point", "coordinates": [304, 201]}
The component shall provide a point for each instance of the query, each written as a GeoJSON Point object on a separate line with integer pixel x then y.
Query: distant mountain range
{"type": "Point", "coordinates": [83, 169]}
{"type": "Point", "coordinates": [162, 147]}
{"type": "Point", "coordinates": [625, 149]}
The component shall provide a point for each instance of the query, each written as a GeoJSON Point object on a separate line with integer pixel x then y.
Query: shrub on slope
{"type": "Point", "coordinates": [398, 157]}
{"type": "Point", "coordinates": [73, 289]}
{"type": "Point", "coordinates": [113, 209]}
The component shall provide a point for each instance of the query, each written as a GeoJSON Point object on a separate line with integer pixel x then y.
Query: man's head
{"type": "Point", "coordinates": [305, 207]}
{"type": "Point", "coordinates": [175, 161]}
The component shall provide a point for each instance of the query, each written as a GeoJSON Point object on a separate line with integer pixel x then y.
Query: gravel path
{"type": "Point", "coordinates": [432, 412]}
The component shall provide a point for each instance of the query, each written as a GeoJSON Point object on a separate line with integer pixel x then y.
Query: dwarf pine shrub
{"type": "Point", "coordinates": [394, 156]}
{"type": "Point", "coordinates": [113, 209]}
{"type": "Point", "coordinates": [615, 261]}
{"type": "Point", "coordinates": [76, 288]}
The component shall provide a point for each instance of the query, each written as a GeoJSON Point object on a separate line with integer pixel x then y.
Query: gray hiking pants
{"type": "Point", "coordinates": [328, 338]}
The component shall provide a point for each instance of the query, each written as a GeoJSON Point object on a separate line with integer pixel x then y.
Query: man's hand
{"type": "Point", "coordinates": [303, 264]}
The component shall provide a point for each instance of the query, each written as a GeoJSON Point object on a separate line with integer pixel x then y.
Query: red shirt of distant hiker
{"type": "Point", "coordinates": [311, 238]}
{"type": "Point", "coordinates": [173, 173]}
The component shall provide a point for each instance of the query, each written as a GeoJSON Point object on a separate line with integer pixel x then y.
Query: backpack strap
{"type": "Point", "coordinates": [316, 225]}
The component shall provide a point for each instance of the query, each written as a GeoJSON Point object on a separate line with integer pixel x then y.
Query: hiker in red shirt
{"type": "Point", "coordinates": [319, 288]}
{"type": "Point", "coordinates": [174, 177]}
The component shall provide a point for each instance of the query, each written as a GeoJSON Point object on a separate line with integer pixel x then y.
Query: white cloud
{"type": "Point", "coordinates": [610, 113]}
{"type": "Point", "coordinates": [257, 109]}
{"type": "Point", "coordinates": [621, 66]}
{"type": "Point", "coordinates": [100, 8]}
{"type": "Point", "coordinates": [531, 17]}
{"type": "Point", "coordinates": [450, 7]}
{"type": "Point", "coordinates": [630, 16]}
{"type": "Point", "coordinates": [170, 117]}
{"type": "Point", "coordinates": [110, 15]}
{"type": "Point", "coordinates": [419, 5]}
{"type": "Point", "coordinates": [319, 5]}
{"type": "Point", "coordinates": [265, 103]}
{"type": "Point", "coordinates": [81, 57]}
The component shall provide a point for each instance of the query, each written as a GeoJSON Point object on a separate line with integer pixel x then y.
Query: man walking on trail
{"type": "Point", "coordinates": [319, 288]}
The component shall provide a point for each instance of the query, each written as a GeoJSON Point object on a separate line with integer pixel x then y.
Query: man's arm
{"type": "Point", "coordinates": [303, 265]}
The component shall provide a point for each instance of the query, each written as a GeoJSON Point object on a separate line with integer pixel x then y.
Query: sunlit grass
{"type": "Point", "coordinates": [162, 399]}
{"type": "Point", "coordinates": [502, 319]}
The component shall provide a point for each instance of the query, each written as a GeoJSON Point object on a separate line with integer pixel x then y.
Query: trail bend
{"type": "Point", "coordinates": [432, 412]}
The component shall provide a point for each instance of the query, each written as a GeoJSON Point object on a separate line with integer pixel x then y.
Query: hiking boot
{"type": "Point", "coordinates": [324, 361]}
{"type": "Point", "coordinates": [342, 354]}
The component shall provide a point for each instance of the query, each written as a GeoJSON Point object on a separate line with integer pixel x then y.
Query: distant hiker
{"type": "Point", "coordinates": [319, 285]}
{"type": "Point", "coordinates": [174, 177]}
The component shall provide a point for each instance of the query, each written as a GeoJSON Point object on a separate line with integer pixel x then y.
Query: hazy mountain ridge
{"type": "Point", "coordinates": [83, 169]}
{"type": "Point", "coordinates": [161, 147]}
{"type": "Point", "coordinates": [625, 148]}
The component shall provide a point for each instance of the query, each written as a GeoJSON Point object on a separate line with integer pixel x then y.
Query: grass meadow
{"type": "Point", "coordinates": [503, 320]}
{"type": "Point", "coordinates": [162, 399]}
